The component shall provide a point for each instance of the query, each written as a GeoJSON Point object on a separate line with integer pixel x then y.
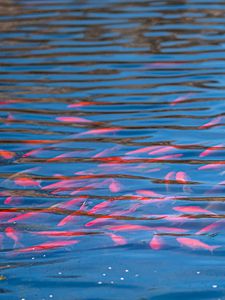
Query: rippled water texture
{"type": "Point", "coordinates": [112, 147]}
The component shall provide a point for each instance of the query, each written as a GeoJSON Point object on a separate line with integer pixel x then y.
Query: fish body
{"type": "Point", "coordinates": [195, 244]}
{"type": "Point", "coordinates": [156, 243]}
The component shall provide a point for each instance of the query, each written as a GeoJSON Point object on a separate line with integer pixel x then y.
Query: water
{"type": "Point", "coordinates": [84, 84]}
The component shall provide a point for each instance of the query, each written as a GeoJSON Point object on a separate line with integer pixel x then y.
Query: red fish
{"type": "Point", "coordinates": [73, 120]}
{"type": "Point", "coordinates": [180, 99]}
{"type": "Point", "coordinates": [12, 200]}
{"type": "Point", "coordinates": [80, 104]}
{"type": "Point", "coordinates": [156, 243]}
{"type": "Point", "coordinates": [148, 193]}
{"type": "Point", "coordinates": [192, 209]}
{"type": "Point", "coordinates": [55, 234]}
{"type": "Point", "coordinates": [46, 246]}
{"type": "Point", "coordinates": [7, 154]}
{"type": "Point", "coordinates": [32, 152]}
{"type": "Point", "coordinates": [100, 131]}
{"type": "Point", "coordinates": [143, 150]}
{"type": "Point", "coordinates": [26, 181]}
{"type": "Point", "coordinates": [98, 207]}
{"type": "Point", "coordinates": [166, 157]}
{"type": "Point", "coordinates": [26, 216]}
{"type": "Point", "coordinates": [13, 235]}
{"type": "Point", "coordinates": [211, 149]}
{"type": "Point", "coordinates": [114, 186]}
{"type": "Point", "coordinates": [208, 228]}
{"type": "Point", "coordinates": [72, 202]}
{"type": "Point", "coordinates": [117, 239]}
{"type": "Point", "coordinates": [210, 124]}
{"type": "Point", "coordinates": [195, 244]}
{"type": "Point", "coordinates": [217, 165]}
{"type": "Point", "coordinates": [128, 227]}
{"type": "Point", "coordinates": [169, 176]}
{"type": "Point", "coordinates": [162, 149]}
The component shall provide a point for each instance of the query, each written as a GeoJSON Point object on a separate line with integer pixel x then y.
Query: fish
{"type": "Point", "coordinates": [80, 104]}
{"type": "Point", "coordinates": [12, 200]}
{"type": "Point", "coordinates": [182, 178]}
{"type": "Point", "coordinates": [105, 152]}
{"type": "Point", "coordinates": [114, 186]}
{"type": "Point", "coordinates": [26, 181]}
{"type": "Point", "coordinates": [73, 120]}
{"type": "Point", "coordinates": [72, 202]}
{"type": "Point", "coordinates": [162, 149]}
{"type": "Point", "coordinates": [64, 155]}
{"type": "Point", "coordinates": [192, 209]}
{"type": "Point", "coordinates": [117, 239]}
{"type": "Point", "coordinates": [195, 244]}
{"type": "Point", "coordinates": [148, 193]}
{"type": "Point", "coordinates": [211, 149]}
{"type": "Point", "coordinates": [169, 176]}
{"type": "Point", "coordinates": [209, 228]}
{"type": "Point", "coordinates": [56, 234]}
{"type": "Point", "coordinates": [98, 207]}
{"type": "Point", "coordinates": [128, 227]}
{"type": "Point", "coordinates": [100, 131]}
{"type": "Point", "coordinates": [46, 246]}
{"type": "Point", "coordinates": [216, 165]}
{"type": "Point", "coordinates": [181, 99]}
{"type": "Point", "coordinates": [32, 152]}
{"type": "Point", "coordinates": [25, 216]}
{"type": "Point", "coordinates": [7, 154]}
{"type": "Point", "coordinates": [13, 235]}
{"type": "Point", "coordinates": [156, 243]}
{"type": "Point", "coordinates": [142, 150]}
{"type": "Point", "coordinates": [167, 157]}
{"type": "Point", "coordinates": [212, 123]}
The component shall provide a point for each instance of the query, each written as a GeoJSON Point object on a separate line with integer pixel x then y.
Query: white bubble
{"type": "Point", "coordinates": [215, 286]}
{"type": "Point", "coordinates": [136, 275]}
{"type": "Point", "coordinates": [33, 258]}
{"type": "Point", "coordinates": [50, 296]}
{"type": "Point", "coordinates": [112, 282]}
{"type": "Point", "coordinates": [103, 274]}
{"type": "Point", "coordinates": [121, 278]}
{"type": "Point", "coordinates": [126, 271]}
{"type": "Point", "coordinates": [110, 268]}
{"type": "Point", "coordinates": [60, 273]}
{"type": "Point", "coordinates": [99, 282]}
{"type": "Point", "coordinates": [198, 272]}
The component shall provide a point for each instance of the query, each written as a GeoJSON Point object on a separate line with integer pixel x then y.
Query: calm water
{"type": "Point", "coordinates": [109, 186]}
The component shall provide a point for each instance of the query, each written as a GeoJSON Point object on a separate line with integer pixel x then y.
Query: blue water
{"type": "Point", "coordinates": [151, 73]}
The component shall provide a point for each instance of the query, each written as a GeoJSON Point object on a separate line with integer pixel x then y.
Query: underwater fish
{"type": "Point", "coordinates": [195, 244]}
{"type": "Point", "coordinates": [156, 243]}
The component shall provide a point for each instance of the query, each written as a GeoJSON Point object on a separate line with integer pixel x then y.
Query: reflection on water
{"type": "Point", "coordinates": [111, 150]}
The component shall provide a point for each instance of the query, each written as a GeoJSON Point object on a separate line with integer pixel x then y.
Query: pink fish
{"type": "Point", "coordinates": [64, 155]}
{"type": "Point", "coordinates": [67, 219]}
{"type": "Point", "coordinates": [105, 152]}
{"type": "Point", "coordinates": [208, 228]}
{"type": "Point", "coordinates": [12, 200]}
{"type": "Point", "coordinates": [192, 209]}
{"type": "Point", "coordinates": [165, 229]}
{"type": "Point", "coordinates": [117, 239]}
{"type": "Point", "coordinates": [73, 120]}
{"type": "Point", "coordinates": [166, 157]}
{"type": "Point", "coordinates": [181, 177]}
{"type": "Point", "coordinates": [128, 227]}
{"type": "Point", "coordinates": [72, 202]}
{"type": "Point", "coordinates": [143, 150]}
{"type": "Point", "coordinates": [181, 99]}
{"type": "Point", "coordinates": [210, 124]}
{"type": "Point", "coordinates": [148, 193]}
{"type": "Point", "coordinates": [156, 243]}
{"type": "Point", "coordinates": [162, 149]}
{"type": "Point", "coordinates": [32, 152]}
{"type": "Point", "coordinates": [100, 131]}
{"type": "Point", "coordinates": [98, 207]}
{"type": "Point", "coordinates": [13, 235]}
{"type": "Point", "coordinates": [114, 186]}
{"type": "Point", "coordinates": [211, 149]}
{"type": "Point", "coordinates": [7, 154]}
{"type": "Point", "coordinates": [26, 181]}
{"type": "Point", "coordinates": [195, 244]}
{"type": "Point", "coordinates": [169, 176]}
{"type": "Point", "coordinates": [46, 246]}
{"type": "Point", "coordinates": [25, 216]}
{"type": "Point", "coordinates": [80, 104]}
{"type": "Point", "coordinates": [217, 165]}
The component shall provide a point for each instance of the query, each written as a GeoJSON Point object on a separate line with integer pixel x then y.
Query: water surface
{"type": "Point", "coordinates": [84, 84]}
